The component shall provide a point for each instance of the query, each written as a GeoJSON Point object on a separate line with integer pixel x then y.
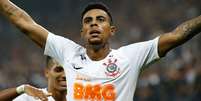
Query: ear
{"type": "Point", "coordinates": [81, 33]}
{"type": "Point", "coordinates": [46, 72]}
{"type": "Point", "coordinates": [113, 30]}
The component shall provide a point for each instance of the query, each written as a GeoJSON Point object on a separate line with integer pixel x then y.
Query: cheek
{"type": "Point", "coordinates": [83, 32]}
{"type": "Point", "coordinates": [107, 31]}
{"type": "Point", "coordinates": [85, 28]}
{"type": "Point", "coordinates": [54, 76]}
{"type": "Point", "coordinates": [83, 35]}
{"type": "Point", "coordinates": [106, 28]}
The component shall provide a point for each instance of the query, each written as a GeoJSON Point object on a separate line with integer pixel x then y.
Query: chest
{"type": "Point", "coordinates": [110, 68]}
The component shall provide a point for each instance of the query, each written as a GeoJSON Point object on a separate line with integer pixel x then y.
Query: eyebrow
{"type": "Point", "coordinates": [59, 66]}
{"type": "Point", "coordinates": [100, 16]}
{"type": "Point", "coordinates": [86, 18]}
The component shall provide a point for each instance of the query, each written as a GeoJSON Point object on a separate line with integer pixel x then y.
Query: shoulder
{"type": "Point", "coordinates": [139, 45]}
{"type": "Point", "coordinates": [60, 41]}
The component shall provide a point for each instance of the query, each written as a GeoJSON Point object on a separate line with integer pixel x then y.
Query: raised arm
{"type": "Point", "coordinates": [180, 35]}
{"type": "Point", "coordinates": [24, 22]}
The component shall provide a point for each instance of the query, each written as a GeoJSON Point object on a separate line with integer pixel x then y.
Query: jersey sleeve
{"type": "Point", "coordinates": [58, 47]}
{"type": "Point", "coordinates": [23, 97]}
{"type": "Point", "coordinates": [26, 97]}
{"type": "Point", "coordinates": [142, 53]}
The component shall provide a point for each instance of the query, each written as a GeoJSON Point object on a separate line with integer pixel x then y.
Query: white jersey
{"type": "Point", "coordinates": [25, 97]}
{"type": "Point", "coordinates": [110, 79]}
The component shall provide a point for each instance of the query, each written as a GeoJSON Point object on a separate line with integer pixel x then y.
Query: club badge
{"type": "Point", "coordinates": [112, 69]}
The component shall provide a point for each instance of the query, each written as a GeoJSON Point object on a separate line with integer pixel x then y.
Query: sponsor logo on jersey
{"type": "Point", "coordinates": [94, 92]}
{"type": "Point", "coordinates": [112, 69]}
{"type": "Point", "coordinates": [83, 77]}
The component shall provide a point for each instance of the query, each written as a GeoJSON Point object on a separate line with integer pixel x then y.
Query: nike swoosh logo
{"type": "Point", "coordinates": [77, 68]}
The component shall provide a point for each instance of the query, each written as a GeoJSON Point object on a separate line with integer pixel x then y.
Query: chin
{"type": "Point", "coordinates": [95, 42]}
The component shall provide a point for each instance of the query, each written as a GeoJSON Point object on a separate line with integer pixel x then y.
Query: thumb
{"type": "Point", "coordinates": [48, 94]}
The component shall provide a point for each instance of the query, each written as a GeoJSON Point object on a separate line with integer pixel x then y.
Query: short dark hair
{"type": "Point", "coordinates": [50, 62]}
{"type": "Point", "coordinates": [96, 5]}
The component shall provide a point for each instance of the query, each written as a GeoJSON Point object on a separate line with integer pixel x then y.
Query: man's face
{"type": "Point", "coordinates": [96, 28]}
{"type": "Point", "coordinates": [56, 77]}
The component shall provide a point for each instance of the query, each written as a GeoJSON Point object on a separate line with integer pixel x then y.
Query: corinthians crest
{"type": "Point", "coordinates": [111, 68]}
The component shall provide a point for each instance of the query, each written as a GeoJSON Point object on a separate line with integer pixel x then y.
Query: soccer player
{"type": "Point", "coordinates": [95, 71]}
{"type": "Point", "coordinates": [56, 90]}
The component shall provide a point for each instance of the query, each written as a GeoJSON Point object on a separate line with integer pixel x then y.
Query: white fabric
{"type": "Point", "coordinates": [111, 79]}
{"type": "Point", "coordinates": [25, 97]}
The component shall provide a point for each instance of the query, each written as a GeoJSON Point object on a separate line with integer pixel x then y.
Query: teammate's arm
{"type": "Point", "coordinates": [24, 22]}
{"type": "Point", "coordinates": [12, 93]}
{"type": "Point", "coordinates": [180, 35]}
{"type": "Point", "coordinates": [8, 94]}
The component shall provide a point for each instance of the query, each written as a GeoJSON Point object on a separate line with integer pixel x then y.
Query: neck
{"type": "Point", "coordinates": [58, 95]}
{"type": "Point", "coordinates": [98, 52]}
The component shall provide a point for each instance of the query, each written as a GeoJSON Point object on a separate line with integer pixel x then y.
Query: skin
{"type": "Point", "coordinates": [38, 34]}
{"type": "Point", "coordinates": [97, 44]}
{"type": "Point", "coordinates": [179, 35]}
{"type": "Point", "coordinates": [10, 93]}
{"type": "Point", "coordinates": [56, 81]}
{"type": "Point", "coordinates": [24, 22]}
{"type": "Point", "coordinates": [56, 86]}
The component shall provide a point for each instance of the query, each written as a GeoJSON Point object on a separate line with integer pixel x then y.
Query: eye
{"type": "Point", "coordinates": [87, 20]}
{"type": "Point", "coordinates": [101, 18]}
{"type": "Point", "coordinates": [58, 69]}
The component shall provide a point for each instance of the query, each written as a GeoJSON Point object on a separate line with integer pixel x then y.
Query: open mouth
{"type": "Point", "coordinates": [63, 83]}
{"type": "Point", "coordinates": [94, 33]}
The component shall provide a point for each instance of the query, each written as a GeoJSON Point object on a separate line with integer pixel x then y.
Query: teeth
{"type": "Point", "coordinates": [63, 83]}
{"type": "Point", "coordinates": [94, 32]}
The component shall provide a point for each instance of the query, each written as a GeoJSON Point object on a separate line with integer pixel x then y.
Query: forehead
{"type": "Point", "coordinates": [95, 12]}
{"type": "Point", "coordinates": [54, 64]}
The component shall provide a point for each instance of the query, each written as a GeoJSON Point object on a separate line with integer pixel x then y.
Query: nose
{"type": "Point", "coordinates": [93, 24]}
{"type": "Point", "coordinates": [63, 76]}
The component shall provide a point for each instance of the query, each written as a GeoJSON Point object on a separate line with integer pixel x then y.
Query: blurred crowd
{"type": "Point", "coordinates": [177, 77]}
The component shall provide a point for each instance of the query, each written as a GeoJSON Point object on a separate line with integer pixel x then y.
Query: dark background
{"type": "Point", "coordinates": [177, 77]}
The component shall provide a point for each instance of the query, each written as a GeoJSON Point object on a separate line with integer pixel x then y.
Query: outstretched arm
{"type": "Point", "coordinates": [11, 93]}
{"type": "Point", "coordinates": [8, 94]}
{"type": "Point", "coordinates": [180, 35]}
{"type": "Point", "coordinates": [24, 22]}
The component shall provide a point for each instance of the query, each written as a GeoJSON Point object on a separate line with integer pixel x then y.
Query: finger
{"type": "Point", "coordinates": [37, 98]}
{"type": "Point", "coordinates": [42, 96]}
{"type": "Point", "coordinates": [48, 94]}
{"type": "Point", "coordinates": [44, 99]}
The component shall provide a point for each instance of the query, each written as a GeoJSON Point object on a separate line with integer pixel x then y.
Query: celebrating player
{"type": "Point", "coordinates": [95, 71]}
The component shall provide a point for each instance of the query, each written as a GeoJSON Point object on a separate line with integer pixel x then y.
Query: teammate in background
{"type": "Point", "coordinates": [95, 71]}
{"type": "Point", "coordinates": [56, 90]}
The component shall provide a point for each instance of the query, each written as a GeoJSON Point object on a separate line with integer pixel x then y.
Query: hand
{"type": "Point", "coordinates": [36, 93]}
